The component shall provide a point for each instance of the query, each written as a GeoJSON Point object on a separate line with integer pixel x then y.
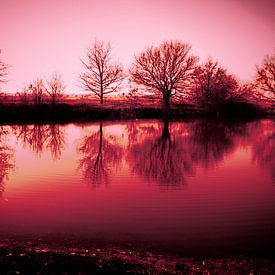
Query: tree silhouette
{"type": "Point", "coordinates": [55, 88]}
{"type": "Point", "coordinates": [213, 87]}
{"type": "Point", "coordinates": [3, 70]}
{"type": "Point", "coordinates": [166, 70]}
{"type": "Point", "coordinates": [24, 95]}
{"type": "Point", "coordinates": [265, 78]}
{"type": "Point", "coordinates": [37, 89]}
{"type": "Point", "coordinates": [101, 75]}
{"type": "Point", "coordinates": [99, 156]}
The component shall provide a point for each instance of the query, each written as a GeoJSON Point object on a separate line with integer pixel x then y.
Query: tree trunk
{"type": "Point", "coordinates": [166, 99]}
{"type": "Point", "coordinates": [101, 97]}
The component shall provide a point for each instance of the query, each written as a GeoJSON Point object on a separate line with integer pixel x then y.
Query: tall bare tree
{"type": "Point", "coordinates": [165, 70]}
{"type": "Point", "coordinates": [101, 75]}
{"type": "Point", "coordinates": [265, 78]}
{"type": "Point", "coordinates": [3, 70]}
{"type": "Point", "coordinates": [55, 88]}
{"type": "Point", "coordinates": [213, 87]}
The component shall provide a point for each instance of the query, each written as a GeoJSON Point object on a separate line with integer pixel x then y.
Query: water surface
{"type": "Point", "coordinates": [194, 187]}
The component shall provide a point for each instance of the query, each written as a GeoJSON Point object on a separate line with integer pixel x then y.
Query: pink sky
{"type": "Point", "coordinates": [39, 38]}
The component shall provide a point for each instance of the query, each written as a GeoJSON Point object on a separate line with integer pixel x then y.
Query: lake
{"type": "Point", "coordinates": [193, 187]}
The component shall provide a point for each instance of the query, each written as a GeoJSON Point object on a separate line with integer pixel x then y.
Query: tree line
{"type": "Point", "coordinates": [168, 71]}
{"type": "Point", "coordinates": [39, 90]}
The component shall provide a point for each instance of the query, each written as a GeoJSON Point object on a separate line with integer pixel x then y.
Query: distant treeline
{"type": "Point", "coordinates": [168, 73]}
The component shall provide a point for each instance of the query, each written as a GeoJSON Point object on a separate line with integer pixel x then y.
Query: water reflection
{"type": "Point", "coordinates": [55, 140]}
{"type": "Point", "coordinates": [224, 169]}
{"type": "Point", "coordinates": [263, 149]}
{"type": "Point", "coordinates": [212, 140]}
{"type": "Point", "coordinates": [170, 154]}
{"type": "Point", "coordinates": [6, 158]}
{"type": "Point", "coordinates": [165, 152]}
{"type": "Point", "coordinates": [98, 156]}
{"type": "Point", "coordinates": [39, 138]}
{"type": "Point", "coordinates": [162, 157]}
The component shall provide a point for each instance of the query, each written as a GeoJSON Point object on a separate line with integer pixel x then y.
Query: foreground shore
{"type": "Point", "coordinates": [73, 257]}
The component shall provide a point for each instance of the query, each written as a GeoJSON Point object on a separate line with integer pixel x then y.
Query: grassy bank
{"type": "Point", "coordinates": [16, 113]}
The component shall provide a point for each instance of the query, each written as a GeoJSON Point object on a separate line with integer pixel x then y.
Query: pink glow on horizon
{"type": "Point", "coordinates": [39, 38]}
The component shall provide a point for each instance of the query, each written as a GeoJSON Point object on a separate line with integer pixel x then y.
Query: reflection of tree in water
{"type": "Point", "coordinates": [39, 138]}
{"type": "Point", "coordinates": [263, 150]}
{"type": "Point", "coordinates": [178, 149]}
{"type": "Point", "coordinates": [6, 159]}
{"type": "Point", "coordinates": [162, 158]}
{"type": "Point", "coordinates": [211, 140]}
{"type": "Point", "coordinates": [55, 140]}
{"type": "Point", "coordinates": [99, 156]}
{"type": "Point", "coordinates": [137, 131]}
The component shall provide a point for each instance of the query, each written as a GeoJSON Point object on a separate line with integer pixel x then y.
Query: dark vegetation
{"type": "Point", "coordinates": [84, 112]}
{"type": "Point", "coordinates": [165, 80]}
{"type": "Point", "coordinates": [76, 257]}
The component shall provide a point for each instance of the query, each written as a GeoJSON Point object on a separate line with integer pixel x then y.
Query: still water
{"type": "Point", "coordinates": [195, 187]}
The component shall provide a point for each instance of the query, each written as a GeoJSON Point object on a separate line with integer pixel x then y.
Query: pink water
{"type": "Point", "coordinates": [197, 187]}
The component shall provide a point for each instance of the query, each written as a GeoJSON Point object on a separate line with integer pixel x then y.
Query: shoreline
{"type": "Point", "coordinates": [66, 113]}
{"type": "Point", "coordinates": [73, 256]}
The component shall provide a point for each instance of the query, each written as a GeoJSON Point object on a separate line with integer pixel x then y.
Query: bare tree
{"type": "Point", "coordinates": [38, 91]}
{"type": "Point", "coordinates": [24, 95]}
{"type": "Point", "coordinates": [166, 69]}
{"type": "Point", "coordinates": [3, 70]}
{"type": "Point", "coordinates": [55, 88]}
{"type": "Point", "coordinates": [101, 75]}
{"type": "Point", "coordinates": [213, 87]}
{"type": "Point", "coordinates": [265, 78]}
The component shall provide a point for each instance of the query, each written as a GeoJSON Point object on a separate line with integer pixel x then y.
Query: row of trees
{"type": "Point", "coordinates": [171, 71]}
{"type": "Point", "coordinates": [168, 70]}
{"type": "Point", "coordinates": [39, 90]}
